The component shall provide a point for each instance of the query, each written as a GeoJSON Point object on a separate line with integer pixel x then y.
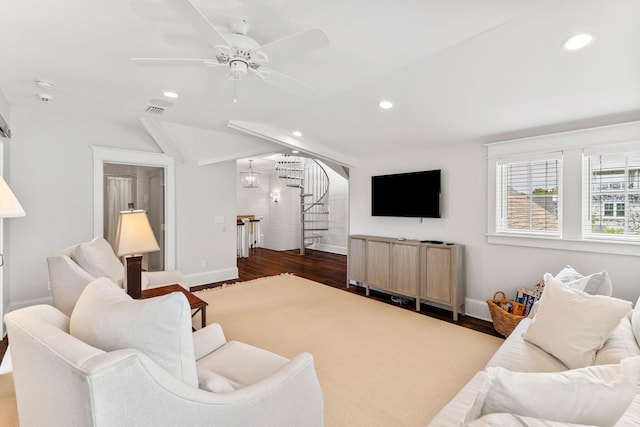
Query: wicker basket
{"type": "Point", "coordinates": [503, 321]}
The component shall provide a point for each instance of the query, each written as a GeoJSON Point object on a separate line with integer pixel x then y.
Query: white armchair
{"type": "Point", "coordinates": [72, 268]}
{"type": "Point", "coordinates": [62, 380]}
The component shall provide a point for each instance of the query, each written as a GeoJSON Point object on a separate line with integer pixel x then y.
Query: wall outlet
{"type": "Point", "coordinates": [205, 263]}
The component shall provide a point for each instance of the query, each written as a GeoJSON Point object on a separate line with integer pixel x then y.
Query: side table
{"type": "Point", "coordinates": [196, 303]}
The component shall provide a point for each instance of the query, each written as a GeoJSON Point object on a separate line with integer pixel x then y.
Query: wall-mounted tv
{"type": "Point", "coordinates": [413, 194]}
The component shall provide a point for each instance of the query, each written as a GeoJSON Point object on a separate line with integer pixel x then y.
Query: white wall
{"type": "Point", "coordinates": [52, 170]}
{"type": "Point", "coordinates": [489, 267]}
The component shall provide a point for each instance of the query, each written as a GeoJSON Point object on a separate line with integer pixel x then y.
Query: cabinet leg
{"type": "Point", "coordinates": [417, 304]}
{"type": "Point", "coordinates": [367, 290]}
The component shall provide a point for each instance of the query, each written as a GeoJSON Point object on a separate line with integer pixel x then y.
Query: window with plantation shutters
{"type": "Point", "coordinates": [611, 195]}
{"type": "Point", "coordinates": [528, 196]}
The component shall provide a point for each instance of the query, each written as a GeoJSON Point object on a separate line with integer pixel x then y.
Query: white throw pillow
{"type": "Point", "coordinates": [98, 259]}
{"type": "Point", "coordinates": [595, 395]}
{"type": "Point", "coordinates": [593, 284]}
{"type": "Point", "coordinates": [513, 420]}
{"type": "Point", "coordinates": [572, 325]}
{"type": "Point", "coordinates": [107, 318]}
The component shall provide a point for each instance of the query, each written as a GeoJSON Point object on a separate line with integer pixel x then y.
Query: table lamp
{"type": "Point", "coordinates": [9, 206]}
{"type": "Point", "coordinates": [134, 237]}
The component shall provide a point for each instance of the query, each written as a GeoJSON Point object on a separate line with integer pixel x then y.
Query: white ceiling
{"type": "Point", "coordinates": [457, 70]}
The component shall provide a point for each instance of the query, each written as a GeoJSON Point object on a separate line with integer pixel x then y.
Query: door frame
{"type": "Point", "coordinates": [102, 155]}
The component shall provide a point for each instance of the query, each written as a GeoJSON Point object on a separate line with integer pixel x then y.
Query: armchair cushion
{"type": "Point", "coordinates": [107, 318]}
{"type": "Point", "coordinates": [98, 259]}
{"type": "Point", "coordinates": [208, 340]}
{"type": "Point", "coordinates": [242, 364]}
{"type": "Point", "coordinates": [210, 381]}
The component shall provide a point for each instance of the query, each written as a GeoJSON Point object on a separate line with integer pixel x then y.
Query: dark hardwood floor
{"type": "Point", "coordinates": [331, 269]}
{"type": "Point", "coordinates": [327, 268]}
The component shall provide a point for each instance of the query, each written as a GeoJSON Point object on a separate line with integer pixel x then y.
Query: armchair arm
{"type": "Point", "coordinates": [158, 278]}
{"type": "Point", "coordinates": [208, 340]}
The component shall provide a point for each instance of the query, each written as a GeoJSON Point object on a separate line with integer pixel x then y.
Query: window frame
{"type": "Point", "coordinates": [573, 145]}
{"type": "Point", "coordinates": [502, 164]}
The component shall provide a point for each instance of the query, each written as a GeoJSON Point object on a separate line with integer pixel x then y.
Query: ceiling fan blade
{"type": "Point", "coordinates": [285, 82]}
{"type": "Point", "coordinates": [173, 62]}
{"type": "Point", "coordinates": [199, 22]}
{"type": "Point", "coordinates": [295, 44]}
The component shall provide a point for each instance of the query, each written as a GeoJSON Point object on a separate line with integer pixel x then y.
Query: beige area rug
{"type": "Point", "coordinates": [8, 408]}
{"type": "Point", "coordinates": [378, 365]}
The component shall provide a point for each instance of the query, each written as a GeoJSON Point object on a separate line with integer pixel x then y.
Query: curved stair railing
{"type": "Point", "coordinates": [312, 180]}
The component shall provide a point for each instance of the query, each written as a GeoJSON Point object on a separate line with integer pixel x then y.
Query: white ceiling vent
{"type": "Point", "coordinates": [153, 109]}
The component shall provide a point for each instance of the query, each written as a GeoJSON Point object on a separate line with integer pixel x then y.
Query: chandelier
{"type": "Point", "coordinates": [250, 179]}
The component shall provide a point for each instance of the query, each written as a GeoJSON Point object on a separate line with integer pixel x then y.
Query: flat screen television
{"type": "Point", "coordinates": [413, 194]}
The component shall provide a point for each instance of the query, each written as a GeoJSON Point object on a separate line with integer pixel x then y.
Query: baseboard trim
{"type": "Point", "coordinates": [207, 277]}
{"type": "Point", "coordinates": [477, 308]}
{"type": "Point", "coordinates": [340, 250]}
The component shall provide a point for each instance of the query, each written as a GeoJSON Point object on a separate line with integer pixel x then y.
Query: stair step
{"type": "Point", "coordinates": [290, 169]}
{"type": "Point", "coordinates": [315, 229]}
{"type": "Point", "coordinates": [315, 220]}
{"type": "Point", "coordinates": [290, 177]}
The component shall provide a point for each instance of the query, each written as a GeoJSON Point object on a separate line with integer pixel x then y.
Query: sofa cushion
{"type": "Point", "coordinates": [571, 316]}
{"type": "Point", "coordinates": [98, 259]}
{"type": "Point", "coordinates": [595, 395]}
{"type": "Point", "coordinates": [635, 321]}
{"type": "Point", "coordinates": [593, 284]}
{"type": "Point", "coordinates": [107, 318]}
{"type": "Point", "coordinates": [620, 345]}
{"type": "Point", "coordinates": [513, 420]}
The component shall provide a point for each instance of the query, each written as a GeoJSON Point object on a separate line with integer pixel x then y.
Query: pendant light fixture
{"type": "Point", "coordinates": [250, 179]}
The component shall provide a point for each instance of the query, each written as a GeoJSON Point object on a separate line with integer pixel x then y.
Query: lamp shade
{"type": "Point", "coordinates": [134, 234]}
{"type": "Point", "coordinates": [9, 206]}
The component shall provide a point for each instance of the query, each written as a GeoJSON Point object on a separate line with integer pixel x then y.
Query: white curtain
{"type": "Point", "coordinates": [118, 199]}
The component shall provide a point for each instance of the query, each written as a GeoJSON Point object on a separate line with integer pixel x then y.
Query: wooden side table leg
{"type": "Point", "coordinates": [203, 314]}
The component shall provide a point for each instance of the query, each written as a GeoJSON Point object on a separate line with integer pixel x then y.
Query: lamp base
{"type": "Point", "coordinates": [133, 279]}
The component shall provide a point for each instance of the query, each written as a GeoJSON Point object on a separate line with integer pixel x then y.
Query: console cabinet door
{"type": "Point", "coordinates": [405, 261]}
{"type": "Point", "coordinates": [438, 281]}
{"type": "Point", "coordinates": [358, 260]}
{"type": "Point", "coordinates": [378, 258]}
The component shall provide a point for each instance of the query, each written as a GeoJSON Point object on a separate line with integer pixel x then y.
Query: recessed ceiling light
{"type": "Point", "coordinates": [294, 151]}
{"type": "Point", "coordinates": [296, 133]}
{"type": "Point", "coordinates": [578, 41]}
{"type": "Point", "coordinates": [170, 94]}
{"type": "Point", "coordinates": [385, 105]}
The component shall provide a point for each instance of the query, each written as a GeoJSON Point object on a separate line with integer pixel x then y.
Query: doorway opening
{"type": "Point", "coordinates": [135, 187]}
{"type": "Point", "coordinates": [154, 171]}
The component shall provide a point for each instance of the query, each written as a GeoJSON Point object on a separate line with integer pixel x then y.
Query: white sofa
{"type": "Point", "coordinates": [61, 380]}
{"type": "Point", "coordinates": [72, 268]}
{"type": "Point", "coordinates": [521, 356]}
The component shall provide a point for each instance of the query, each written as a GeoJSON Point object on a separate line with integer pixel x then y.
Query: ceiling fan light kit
{"type": "Point", "coordinates": [241, 53]}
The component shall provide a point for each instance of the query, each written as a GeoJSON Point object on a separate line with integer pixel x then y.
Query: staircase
{"type": "Point", "coordinates": [313, 182]}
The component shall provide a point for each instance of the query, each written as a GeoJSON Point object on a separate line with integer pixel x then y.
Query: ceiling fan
{"type": "Point", "coordinates": [242, 54]}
